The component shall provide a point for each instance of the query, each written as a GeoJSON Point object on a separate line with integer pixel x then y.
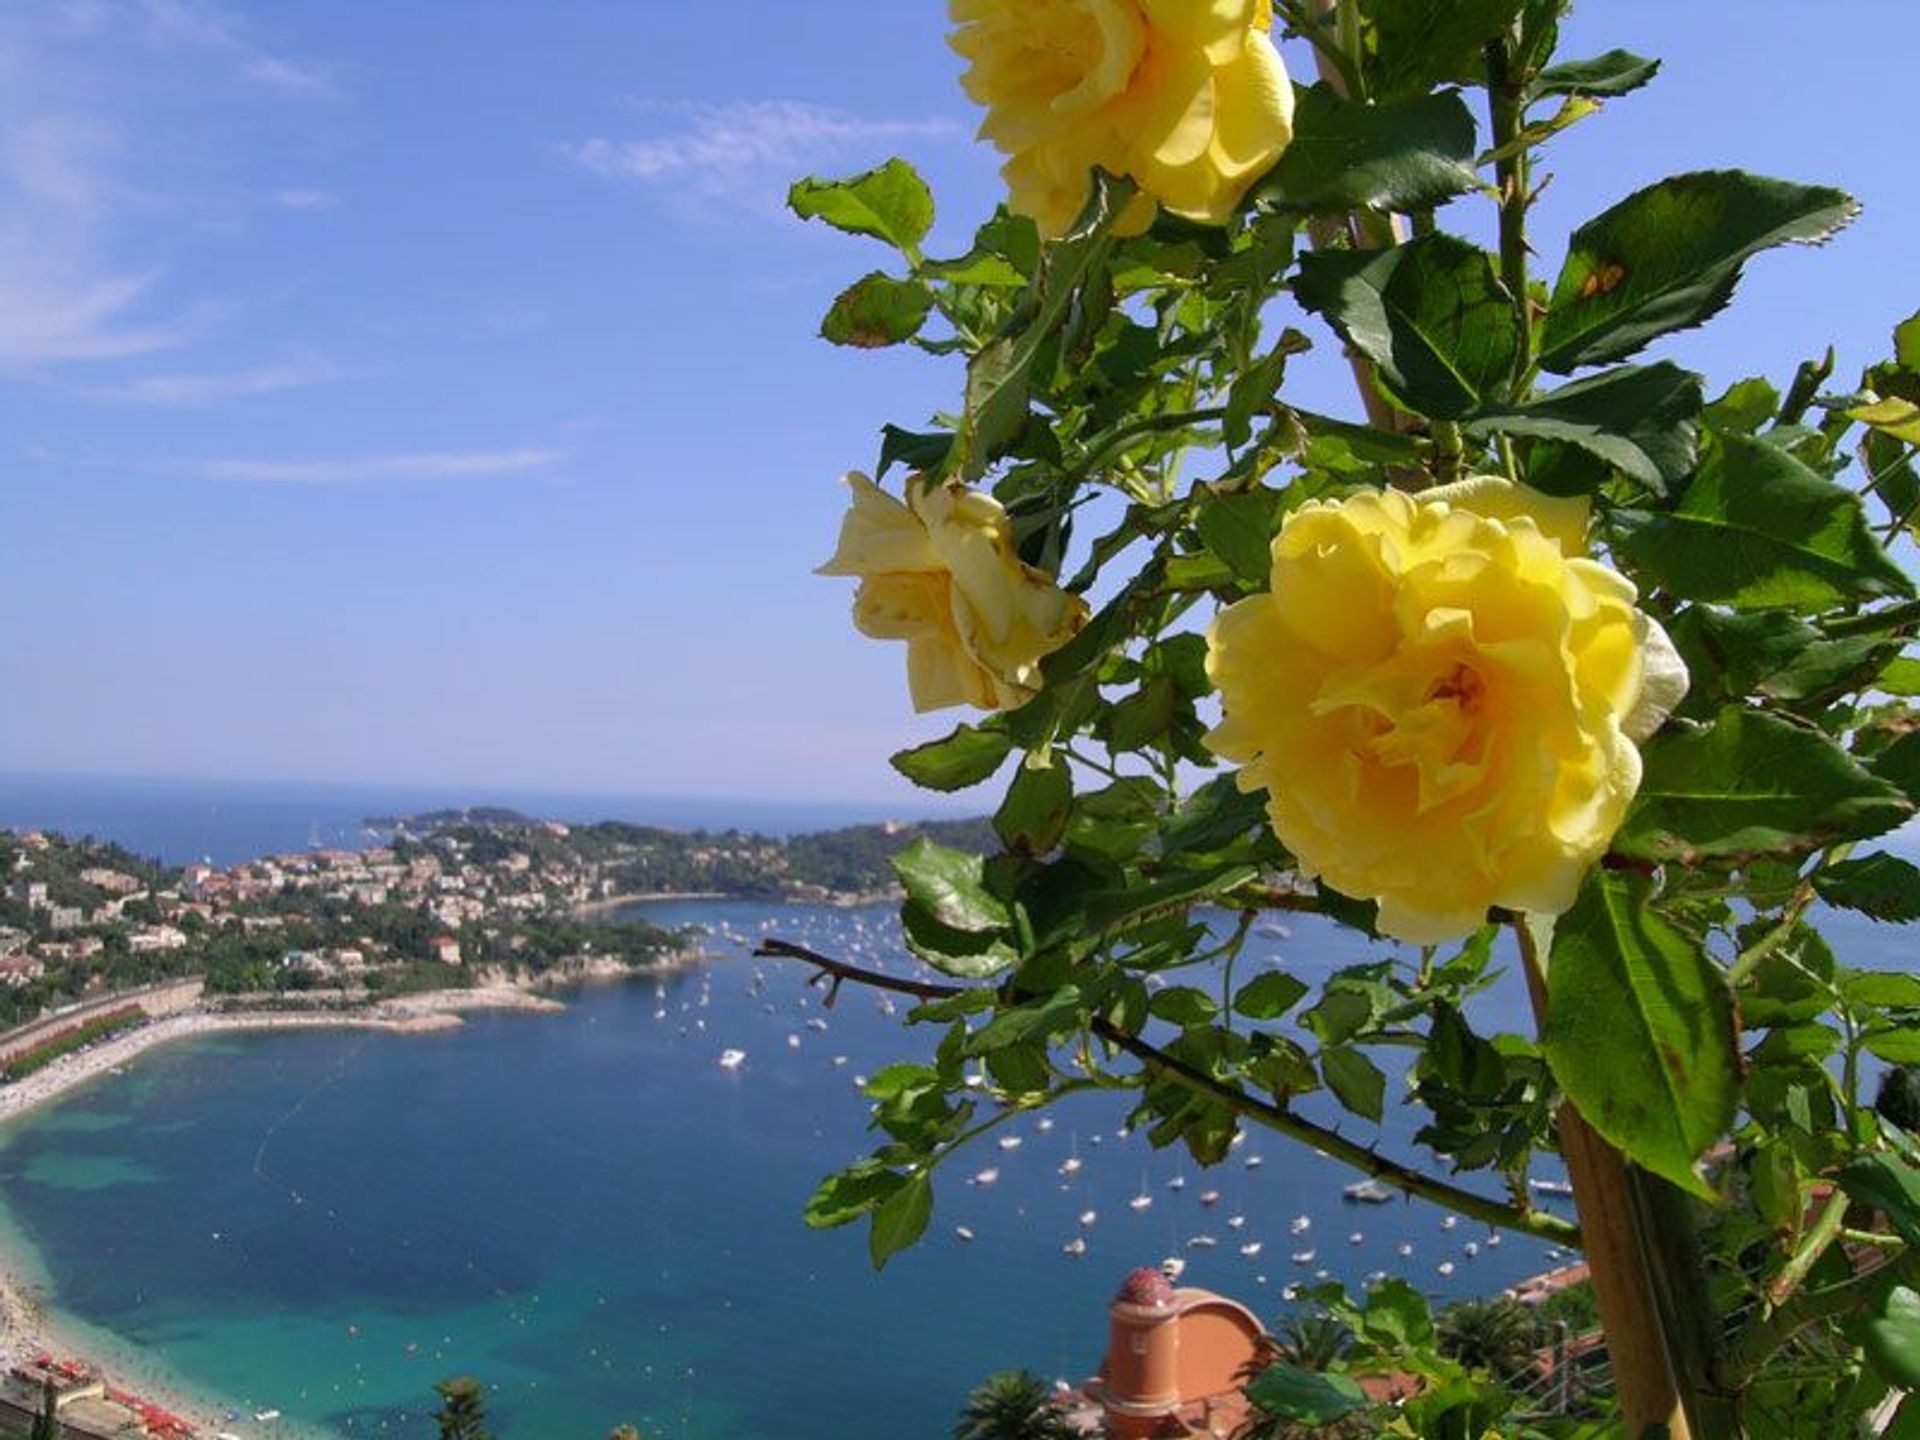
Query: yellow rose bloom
{"type": "Point", "coordinates": [1442, 697]}
{"type": "Point", "coordinates": [940, 572]}
{"type": "Point", "coordinates": [1187, 97]}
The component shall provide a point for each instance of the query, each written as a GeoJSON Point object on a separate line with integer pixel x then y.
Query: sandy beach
{"type": "Point", "coordinates": [26, 1328]}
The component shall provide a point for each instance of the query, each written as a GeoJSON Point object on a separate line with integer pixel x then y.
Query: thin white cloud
{"type": "Point", "coordinates": [296, 198]}
{"type": "Point", "coordinates": [104, 105]}
{"type": "Point", "coordinates": [743, 154]}
{"type": "Point", "coordinates": [186, 390]}
{"type": "Point", "coordinates": [424, 465]}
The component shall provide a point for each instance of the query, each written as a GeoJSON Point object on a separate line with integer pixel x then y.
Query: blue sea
{"type": "Point", "coordinates": [589, 1212]}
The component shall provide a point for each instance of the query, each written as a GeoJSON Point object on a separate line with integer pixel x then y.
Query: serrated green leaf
{"type": "Point", "coordinates": [1752, 784]}
{"type": "Point", "coordinates": [1667, 258]}
{"type": "Point", "coordinates": [1034, 815]}
{"type": "Point", "coordinates": [1883, 886]}
{"type": "Point", "coordinates": [891, 203]}
{"type": "Point", "coordinates": [1423, 43]}
{"type": "Point", "coordinates": [1183, 1005]}
{"type": "Point", "coordinates": [1758, 529]}
{"type": "Point", "coordinates": [1058, 1012]}
{"type": "Point", "coordinates": [1269, 996]}
{"type": "Point", "coordinates": [1356, 1082]}
{"type": "Point", "coordinates": [1618, 72]}
{"type": "Point", "coordinates": [900, 1219]}
{"type": "Point", "coordinates": [1403, 155]}
{"type": "Point", "coordinates": [948, 884]}
{"type": "Point", "coordinates": [1638, 419]}
{"type": "Point", "coordinates": [967, 756]}
{"type": "Point", "coordinates": [846, 1195]}
{"type": "Point", "coordinates": [1896, 1044]}
{"type": "Point", "coordinates": [1884, 989]}
{"type": "Point", "coordinates": [1431, 314]}
{"type": "Point", "coordinates": [1239, 529]}
{"type": "Point", "coordinates": [1212, 817]}
{"type": "Point", "coordinates": [1640, 1030]}
{"type": "Point", "coordinates": [1899, 765]}
{"type": "Point", "coordinates": [915, 450]}
{"type": "Point", "coordinates": [1307, 1397]}
{"type": "Point", "coordinates": [877, 310]}
{"type": "Point", "coordinates": [969, 955]}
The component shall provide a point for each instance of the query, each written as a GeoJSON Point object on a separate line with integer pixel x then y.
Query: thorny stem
{"type": "Point", "coordinates": [1505, 99]}
{"type": "Point", "coordinates": [1275, 1117]}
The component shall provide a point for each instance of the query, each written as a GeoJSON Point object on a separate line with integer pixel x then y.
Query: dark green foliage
{"type": "Point", "coordinates": [1011, 1405]}
{"type": "Point", "coordinates": [463, 1409]}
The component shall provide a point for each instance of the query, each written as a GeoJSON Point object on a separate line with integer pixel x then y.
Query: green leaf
{"type": "Point", "coordinates": [915, 450]}
{"type": "Point", "coordinates": [1212, 817]}
{"type": "Point", "coordinates": [1269, 996]}
{"type": "Point", "coordinates": [877, 310]}
{"type": "Point", "coordinates": [1618, 72]}
{"type": "Point", "coordinates": [1239, 529]}
{"type": "Point", "coordinates": [900, 1219]}
{"type": "Point", "coordinates": [1890, 1186]}
{"type": "Point", "coordinates": [1112, 909]}
{"type": "Point", "coordinates": [1899, 765]}
{"type": "Point", "coordinates": [891, 204]}
{"type": "Point", "coordinates": [1880, 885]}
{"type": "Point", "coordinates": [1356, 1082]}
{"type": "Point", "coordinates": [1403, 155]}
{"type": "Point", "coordinates": [1882, 989]}
{"type": "Point", "coordinates": [1306, 1397]}
{"type": "Point", "coordinates": [1897, 1045]}
{"type": "Point", "coordinates": [947, 884]}
{"type": "Point", "coordinates": [1430, 314]}
{"type": "Point", "coordinates": [1183, 1005]}
{"type": "Point", "coordinates": [1034, 815]}
{"type": "Point", "coordinates": [846, 1195]}
{"type": "Point", "coordinates": [1892, 1338]}
{"type": "Point", "coordinates": [1756, 529]}
{"type": "Point", "coordinates": [1640, 1030]}
{"type": "Point", "coordinates": [1423, 43]}
{"type": "Point", "coordinates": [1752, 784]}
{"type": "Point", "coordinates": [970, 955]}
{"type": "Point", "coordinates": [966, 757]}
{"type": "Point", "coordinates": [1056, 1013]}
{"type": "Point", "coordinates": [1638, 419]}
{"type": "Point", "coordinates": [1667, 258]}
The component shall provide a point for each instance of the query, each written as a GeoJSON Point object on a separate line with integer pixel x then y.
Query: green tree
{"type": "Point", "coordinates": [1011, 1405]}
{"type": "Point", "coordinates": [1312, 1342]}
{"type": "Point", "coordinates": [463, 1410]}
{"type": "Point", "coordinates": [1498, 1336]}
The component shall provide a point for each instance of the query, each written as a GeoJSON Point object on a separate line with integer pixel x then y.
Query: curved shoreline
{"type": "Point", "coordinates": [27, 1324]}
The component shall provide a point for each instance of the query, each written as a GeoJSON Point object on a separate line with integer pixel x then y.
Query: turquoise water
{"type": "Point", "coordinates": [586, 1210]}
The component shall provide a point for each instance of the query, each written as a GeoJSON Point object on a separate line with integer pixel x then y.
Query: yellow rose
{"type": "Point", "coordinates": [941, 573]}
{"type": "Point", "coordinates": [1188, 97]}
{"type": "Point", "coordinates": [1442, 697]}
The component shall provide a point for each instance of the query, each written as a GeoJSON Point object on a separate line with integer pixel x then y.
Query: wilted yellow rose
{"type": "Point", "coordinates": [1442, 697]}
{"type": "Point", "coordinates": [1187, 97]}
{"type": "Point", "coordinates": [940, 572]}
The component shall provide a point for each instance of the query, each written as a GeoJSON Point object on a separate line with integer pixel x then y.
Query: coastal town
{"type": "Point", "coordinates": [448, 900]}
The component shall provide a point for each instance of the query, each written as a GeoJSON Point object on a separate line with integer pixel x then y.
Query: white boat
{"type": "Point", "coordinates": [731, 1059]}
{"type": "Point", "coordinates": [1087, 1217]}
{"type": "Point", "coordinates": [266, 1416]}
{"type": "Point", "coordinates": [1493, 1241]}
{"type": "Point", "coordinates": [1403, 1249]}
{"type": "Point", "coordinates": [1251, 1248]}
{"type": "Point", "coordinates": [1469, 1249]}
{"type": "Point", "coordinates": [1202, 1242]}
{"type": "Point", "coordinates": [1356, 1238]}
{"type": "Point", "coordinates": [1075, 1247]}
{"type": "Point", "coordinates": [1367, 1192]}
{"type": "Point", "coordinates": [793, 1042]}
{"type": "Point", "coordinates": [1448, 1222]}
{"type": "Point", "coordinates": [1209, 1197]}
{"type": "Point", "coordinates": [1234, 1222]}
{"type": "Point", "coordinates": [1043, 1124]}
{"type": "Point", "coordinates": [1010, 1142]}
{"type": "Point", "coordinates": [1069, 1165]}
{"type": "Point", "coordinates": [1254, 1162]}
{"type": "Point", "coordinates": [817, 1025]}
{"type": "Point", "coordinates": [1551, 1187]}
{"type": "Point", "coordinates": [986, 1176]}
{"type": "Point", "coordinates": [1140, 1202]}
{"type": "Point", "coordinates": [1299, 1225]}
{"type": "Point", "coordinates": [1178, 1182]}
{"type": "Point", "coordinates": [962, 1232]}
{"type": "Point", "coordinates": [1173, 1267]}
{"type": "Point", "coordinates": [1445, 1267]}
{"type": "Point", "coordinates": [1302, 1257]}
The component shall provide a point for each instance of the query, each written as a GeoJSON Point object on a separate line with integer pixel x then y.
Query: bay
{"type": "Point", "coordinates": [591, 1214]}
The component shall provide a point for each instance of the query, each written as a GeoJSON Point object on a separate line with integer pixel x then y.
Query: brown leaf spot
{"type": "Point", "coordinates": [1602, 280]}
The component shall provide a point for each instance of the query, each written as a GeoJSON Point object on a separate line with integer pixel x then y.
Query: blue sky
{"type": "Point", "coordinates": [426, 390]}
